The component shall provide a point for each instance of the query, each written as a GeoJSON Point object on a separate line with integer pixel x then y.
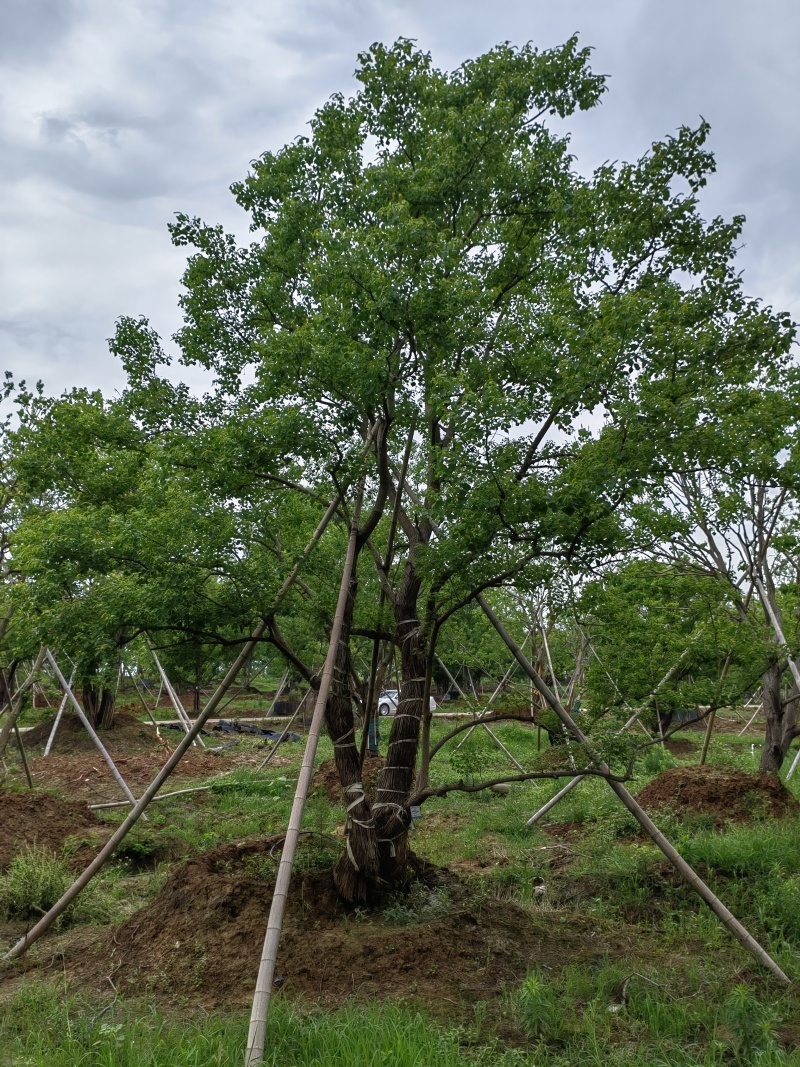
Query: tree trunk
{"type": "Point", "coordinates": [99, 704]}
{"type": "Point", "coordinates": [392, 816]}
{"type": "Point", "coordinates": [7, 677]}
{"type": "Point", "coordinates": [780, 719]}
{"type": "Point", "coordinates": [357, 873]}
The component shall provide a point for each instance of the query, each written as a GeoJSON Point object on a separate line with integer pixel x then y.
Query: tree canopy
{"type": "Point", "coordinates": [494, 360]}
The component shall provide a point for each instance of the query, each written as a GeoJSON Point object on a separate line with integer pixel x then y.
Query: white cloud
{"type": "Point", "coordinates": [114, 116]}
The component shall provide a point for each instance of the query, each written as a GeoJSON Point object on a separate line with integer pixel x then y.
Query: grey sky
{"type": "Point", "coordinates": [115, 115]}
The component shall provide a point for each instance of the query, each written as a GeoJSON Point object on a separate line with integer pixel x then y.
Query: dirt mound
{"type": "Point", "coordinates": [128, 734]}
{"type": "Point", "coordinates": [681, 746]}
{"type": "Point", "coordinates": [325, 777]}
{"type": "Point", "coordinates": [38, 818]}
{"type": "Point", "coordinates": [726, 794]}
{"type": "Point", "coordinates": [201, 937]}
{"type": "Point", "coordinates": [86, 774]}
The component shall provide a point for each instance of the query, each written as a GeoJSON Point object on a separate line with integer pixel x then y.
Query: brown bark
{"type": "Point", "coordinates": [99, 704]}
{"type": "Point", "coordinates": [780, 722]}
{"type": "Point", "coordinates": [392, 816]}
{"type": "Point", "coordinates": [357, 873]}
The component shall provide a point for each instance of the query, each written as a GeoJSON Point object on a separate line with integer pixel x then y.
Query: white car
{"type": "Point", "coordinates": [389, 699]}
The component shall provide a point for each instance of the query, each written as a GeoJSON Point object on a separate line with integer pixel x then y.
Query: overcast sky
{"type": "Point", "coordinates": [114, 114]}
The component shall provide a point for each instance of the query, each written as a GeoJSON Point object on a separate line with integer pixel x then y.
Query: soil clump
{"type": "Point", "coordinates": [726, 794]}
{"type": "Point", "coordinates": [680, 746]}
{"type": "Point", "coordinates": [40, 819]}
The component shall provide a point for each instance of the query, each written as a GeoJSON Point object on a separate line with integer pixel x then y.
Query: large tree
{"type": "Point", "coordinates": [492, 351]}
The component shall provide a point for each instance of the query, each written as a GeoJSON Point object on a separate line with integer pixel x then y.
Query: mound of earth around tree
{"type": "Point", "coordinates": [201, 938]}
{"type": "Point", "coordinates": [86, 775]}
{"type": "Point", "coordinates": [722, 792]}
{"type": "Point", "coordinates": [40, 819]}
{"type": "Point", "coordinates": [127, 734]}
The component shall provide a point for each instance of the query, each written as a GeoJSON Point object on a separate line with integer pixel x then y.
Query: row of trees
{"type": "Point", "coordinates": [515, 378]}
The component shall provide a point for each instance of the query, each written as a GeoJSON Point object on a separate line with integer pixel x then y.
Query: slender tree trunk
{"type": "Point", "coordinates": [7, 676]}
{"type": "Point", "coordinates": [392, 817]}
{"type": "Point", "coordinates": [780, 722]}
{"type": "Point", "coordinates": [357, 873]}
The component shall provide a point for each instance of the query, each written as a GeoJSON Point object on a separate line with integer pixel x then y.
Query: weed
{"type": "Point", "coordinates": [417, 904]}
{"type": "Point", "coordinates": [752, 1024]}
{"type": "Point", "coordinates": [37, 878]}
{"type": "Point", "coordinates": [537, 1008]}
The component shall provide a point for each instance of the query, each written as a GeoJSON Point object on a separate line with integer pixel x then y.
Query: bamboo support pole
{"type": "Point", "coordinates": [551, 803]}
{"type": "Point", "coordinates": [15, 707]}
{"type": "Point", "coordinates": [489, 703]}
{"type": "Point", "coordinates": [479, 722]}
{"type": "Point", "coordinates": [47, 920]}
{"type": "Point", "coordinates": [163, 796]}
{"type": "Point", "coordinates": [731, 923]}
{"type": "Point", "coordinates": [256, 1037]}
{"type": "Point", "coordinates": [278, 692]}
{"type": "Point", "coordinates": [180, 710]}
{"type": "Point", "coordinates": [23, 756]}
{"type": "Point", "coordinates": [143, 702]}
{"type": "Point", "coordinates": [101, 748]}
{"type": "Point", "coordinates": [276, 745]}
{"type": "Point", "coordinates": [751, 720]}
{"type": "Point", "coordinates": [57, 720]}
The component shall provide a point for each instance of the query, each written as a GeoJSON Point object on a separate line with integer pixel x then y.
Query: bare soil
{"type": "Point", "coordinates": [127, 733]}
{"type": "Point", "coordinates": [726, 794]}
{"type": "Point", "coordinates": [40, 819]}
{"type": "Point", "coordinates": [202, 934]}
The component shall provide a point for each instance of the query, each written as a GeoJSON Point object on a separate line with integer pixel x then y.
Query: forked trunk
{"type": "Point", "coordinates": [99, 704]}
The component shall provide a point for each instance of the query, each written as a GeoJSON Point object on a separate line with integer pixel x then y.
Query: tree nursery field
{"type": "Point", "coordinates": [571, 941]}
{"type": "Point", "coordinates": [427, 687]}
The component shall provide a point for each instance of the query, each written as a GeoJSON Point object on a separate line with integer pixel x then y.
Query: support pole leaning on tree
{"type": "Point", "coordinates": [256, 1037]}
{"type": "Point", "coordinates": [723, 914]}
{"type": "Point", "coordinates": [179, 709]}
{"type": "Point", "coordinates": [15, 706]}
{"type": "Point", "coordinates": [47, 920]}
{"type": "Point", "coordinates": [101, 748]}
{"type": "Point", "coordinates": [776, 626]}
{"type": "Point", "coordinates": [59, 713]}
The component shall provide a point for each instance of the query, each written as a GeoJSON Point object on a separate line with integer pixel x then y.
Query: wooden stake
{"type": "Point", "coordinates": [254, 1053]}
{"type": "Point", "coordinates": [57, 719]}
{"type": "Point", "coordinates": [723, 914]}
{"type": "Point", "coordinates": [101, 748]}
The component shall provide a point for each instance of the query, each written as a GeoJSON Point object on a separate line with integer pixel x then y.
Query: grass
{"type": "Point", "coordinates": [42, 1027]}
{"type": "Point", "coordinates": [681, 993]}
{"type": "Point", "coordinates": [36, 878]}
